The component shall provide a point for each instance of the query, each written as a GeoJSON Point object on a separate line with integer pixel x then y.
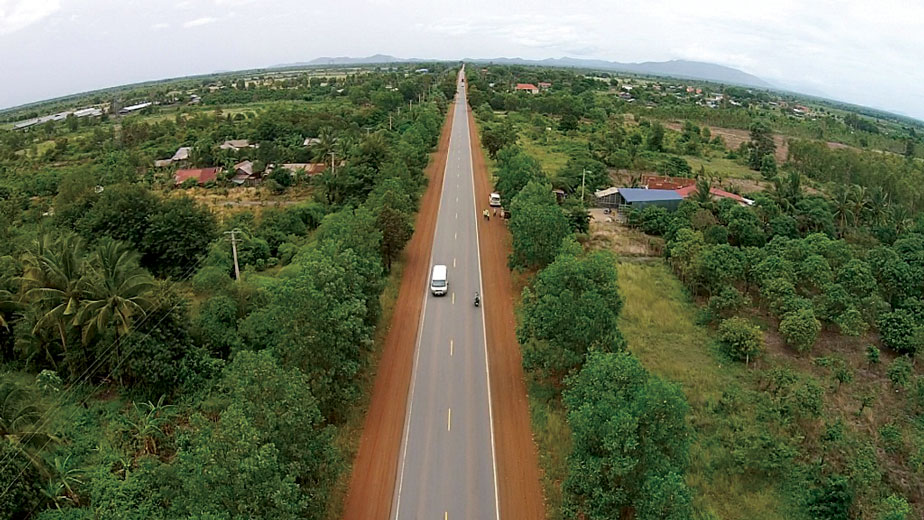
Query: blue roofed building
{"type": "Point", "coordinates": [637, 198]}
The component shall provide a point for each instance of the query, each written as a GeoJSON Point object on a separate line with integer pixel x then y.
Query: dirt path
{"type": "Point", "coordinates": [373, 479]}
{"type": "Point", "coordinates": [519, 488]}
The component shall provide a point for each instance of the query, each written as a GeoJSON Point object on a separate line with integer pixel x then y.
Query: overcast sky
{"type": "Point", "coordinates": [861, 51]}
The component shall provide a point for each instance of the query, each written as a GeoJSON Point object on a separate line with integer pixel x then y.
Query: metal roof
{"type": "Point", "coordinates": [646, 195]}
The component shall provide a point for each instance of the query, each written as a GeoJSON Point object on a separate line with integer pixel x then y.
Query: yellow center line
{"type": "Point", "coordinates": [445, 515]}
{"type": "Point", "coordinates": [450, 347]}
{"type": "Point", "coordinates": [449, 421]}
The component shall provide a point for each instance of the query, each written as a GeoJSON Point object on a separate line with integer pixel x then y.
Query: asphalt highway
{"type": "Point", "coordinates": [446, 467]}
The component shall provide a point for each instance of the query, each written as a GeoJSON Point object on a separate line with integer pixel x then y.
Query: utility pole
{"type": "Point", "coordinates": [389, 122]}
{"type": "Point", "coordinates": [237, 269]}
{"type": "Point", "coordinates": [583, 175]}
{"type": "Point", "coordinates": [333, 169]}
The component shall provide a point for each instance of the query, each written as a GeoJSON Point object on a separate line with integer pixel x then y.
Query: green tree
{"type": "Point", "coordinates": [768, 167]}
{"type": "Point", "coordinates": [515, 169]}
{"type": "Point", "coordinates": [538, 226]}
{"type": "Point", "coordinates": [629, 442]}
{"type": "Point", "coordinates": [395, 222]}
{"type": "Point", "coordinates": [761, 144]}
{"type": "Point", "coordinates": [899, 372]}
{"type": "Point", "coordinates": [740, 339]}
{"type": "Point", "coordinates": [177, 236]}
{"type": "Point", "coordinates": [898, 330]}
{"type": "Point", "coordinates": [498, 136]}
{"type": "Point", "coordinates": [572, 309]}
{"type": "Point", "coordinates": [800, 329]}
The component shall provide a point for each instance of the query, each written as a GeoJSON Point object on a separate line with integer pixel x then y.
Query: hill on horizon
{"type": "Point", "coordinates": [681, 69]}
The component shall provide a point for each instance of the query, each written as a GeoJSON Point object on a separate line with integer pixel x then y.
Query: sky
{"type": "Point", "coordinates": [859, 51]}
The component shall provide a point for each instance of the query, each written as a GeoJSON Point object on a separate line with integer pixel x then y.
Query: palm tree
{"type": "Point", "coordinates": [859, 196]}
{"type": "Point", "coordinates": [22, 426]}
{"type": "Point", "coordinates": [878, 204]}
{"type": "Point", "coordinates": [52, 279]}
{"type": "Point", "coordinates": [65, 478]}
{"type": "Point", "coordinates": [8, 305]}
{"type": "Point", "coordinates": [843, 207]}
{"type": "Point", "coordinates": [703, 193]}
{"type": "Point", "coordinates": [325, 145]}
{"type": "Point", "coordinates": [901, 218]}
{"type": "Point", "coordinates": [115, 290]}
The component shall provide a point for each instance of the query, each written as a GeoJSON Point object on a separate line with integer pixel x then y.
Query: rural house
{"type": "Point", "coordinates": [236, 144]}
{"type": "Point", "coordinates": [202, 175]}
{"type": "Point", "coordinates": [527, 87]}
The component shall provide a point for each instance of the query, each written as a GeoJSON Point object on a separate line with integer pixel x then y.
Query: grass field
{"type": "Point", "coordinates": [658, 321]}
{"type": "Point", "coordinates": [723, 168]}
{"type": "Point", "coordinates": [551, 156]}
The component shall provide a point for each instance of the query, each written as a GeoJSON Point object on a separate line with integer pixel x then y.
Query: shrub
{"type": "Point", "coordinates": [800, 328]}
{"type": "Point", "coordinates": [900, 372]}
{"type": "Point", "coordinates": [740, 339]}
{"type": "Point", "coordinates": [210, 280]}
{"type": "Point", "coordinates": [891, 438]}
{"type": "Point", "coordinates": [899, 332]}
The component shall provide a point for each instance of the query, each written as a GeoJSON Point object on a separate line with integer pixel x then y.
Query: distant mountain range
{"type": "Point", "coordinates": [682, 69]}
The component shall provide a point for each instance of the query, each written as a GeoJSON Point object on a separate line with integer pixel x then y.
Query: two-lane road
{"type": "Point", "coordinates": [446, 468]}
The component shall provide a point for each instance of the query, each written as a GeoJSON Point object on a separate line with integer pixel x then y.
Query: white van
{"type": "Point", "coordinates": [495, 201]}
{"type": "Point", "coordinates": [439, 283]}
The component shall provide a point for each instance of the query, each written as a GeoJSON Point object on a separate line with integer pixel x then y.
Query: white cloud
{"type": "Point", "coordinates": [205, 20]}
{"type": "Point", "coordinates": [160, 26]}
{"type": "Point", "coordinates": [19, 14]}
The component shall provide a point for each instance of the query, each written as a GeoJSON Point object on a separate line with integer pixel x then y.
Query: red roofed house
{"type": "Point", "coordinates": [528, 87]}
{"type": "Point", "coordinates": [657, 182]}
{"type": "Point", "coordinates": [202, 175]}
{"type": "Point", "coordinates": [716, 194]}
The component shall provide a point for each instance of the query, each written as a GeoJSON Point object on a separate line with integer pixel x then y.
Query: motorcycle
{"type": "Point", "coordinates": [477, 300]}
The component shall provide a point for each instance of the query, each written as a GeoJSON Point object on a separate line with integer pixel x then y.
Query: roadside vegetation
{"type": "Point", "coordinates": [139, 378]}
{"type": "Point", "coordinates": [776, 341]}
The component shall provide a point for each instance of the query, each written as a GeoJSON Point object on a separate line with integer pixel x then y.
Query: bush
{"type": "Point", "coordinates": [800, 329]}
{"type": "Point", "coordinates": [899, 332]}
{"type": "Point", "coordinates": [740, 339]}
{"type": "Point", "coordinates": [727, 301]}
{"type": "Point", "coordinates": [900, 372]}
{"type": "Point", "coordinates": [655, 220]}
{"type": "Point", "coordinates": [211, 280]}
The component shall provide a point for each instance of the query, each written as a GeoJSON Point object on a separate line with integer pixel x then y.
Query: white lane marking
{"type": "Point", "coordinates": [451, 347]}
{"type": "Point", "coordinates": [455, 235]}
{"type": "Point", "coordinates": [457, 215]}
{"type": "Point", "coordinates": [410, 397]}
{"type": "Point", "coordinates": [449, 421]}
{"type": "Point", "coordinates": [453, 262]}
{"type": "Point", "coordinates": [487, 369]}
{"type": "Point", "coordinates": [453, 298]}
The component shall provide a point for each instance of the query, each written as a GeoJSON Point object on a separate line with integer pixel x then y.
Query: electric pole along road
{"type": "Point", "coordinates": [446, 468]}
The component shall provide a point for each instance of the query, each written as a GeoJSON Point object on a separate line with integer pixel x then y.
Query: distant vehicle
{"type": "Point", "coordinates": [439, 283]}
{"type": "Point", "coordinates": [495, 201]}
